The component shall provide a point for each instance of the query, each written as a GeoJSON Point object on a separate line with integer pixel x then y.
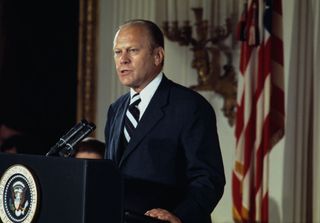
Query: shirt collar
{"type": "Point", "coordinates": [149, 90]}
{"type": "Point", "coordinates": [147, 93]}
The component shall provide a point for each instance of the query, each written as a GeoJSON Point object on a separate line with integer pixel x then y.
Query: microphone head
{"type": "Point", "coordinates": [92, 125]}
{"type": "Point", "coordinates": [68, 149]}
{"type": "Point", "coordinates": [71, 135]}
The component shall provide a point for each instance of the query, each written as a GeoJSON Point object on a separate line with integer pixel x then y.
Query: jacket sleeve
{"type": "Point", "coordinates": [204, 165]}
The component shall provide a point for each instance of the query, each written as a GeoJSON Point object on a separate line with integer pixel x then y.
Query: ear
{"type": "Point", "coordinates": [158, 56]}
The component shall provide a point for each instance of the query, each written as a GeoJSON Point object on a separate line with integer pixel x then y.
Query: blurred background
{"type": "Point", "coordinates": [38, 69]}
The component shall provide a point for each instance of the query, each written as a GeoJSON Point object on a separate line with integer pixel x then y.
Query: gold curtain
{"type": "Point", "coordinates": [87, 77]}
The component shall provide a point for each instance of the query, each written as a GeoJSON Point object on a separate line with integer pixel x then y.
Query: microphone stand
{"type": "Point", "coordinates": [73, 136]}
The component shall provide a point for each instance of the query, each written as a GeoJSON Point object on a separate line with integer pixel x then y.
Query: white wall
{"type": "Point", "coordinates": [178, 68]}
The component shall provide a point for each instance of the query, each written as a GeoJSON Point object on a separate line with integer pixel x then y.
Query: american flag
{"type": "Point", "coordinates": [260, 107]}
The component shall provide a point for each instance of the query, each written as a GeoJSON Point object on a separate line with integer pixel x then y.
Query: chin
{"type": "Point", "coordinates": [124, 80]}
{"type": "Point", "coordinates": [126, 83]}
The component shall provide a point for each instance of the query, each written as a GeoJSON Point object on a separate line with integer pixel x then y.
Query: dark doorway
{"type": "Point", "coordinates": [38, 68]}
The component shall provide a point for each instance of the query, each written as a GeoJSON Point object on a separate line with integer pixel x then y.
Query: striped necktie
{"type": "Point", "coordinates": [132, 117]}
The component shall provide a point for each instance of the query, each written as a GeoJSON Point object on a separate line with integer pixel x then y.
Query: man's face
{"type": "Point", "coordinates": [136, 63]}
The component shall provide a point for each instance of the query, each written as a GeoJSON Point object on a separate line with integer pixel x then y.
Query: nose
{"type": "Point", "coordinates": [124, 59]}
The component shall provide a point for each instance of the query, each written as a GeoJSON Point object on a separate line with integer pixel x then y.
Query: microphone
{"type": "Point", "coordinates": [68, 148]}
{"type": "Point", "coordinates": [65, 138]}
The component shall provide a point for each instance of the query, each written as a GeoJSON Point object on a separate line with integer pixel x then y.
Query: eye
{"type": "Point", "coordinates": [117, 52]}
{"type": "Point", "coordinates": [133, 50]}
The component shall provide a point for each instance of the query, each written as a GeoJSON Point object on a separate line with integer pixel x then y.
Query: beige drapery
{"type": "Point", "coordinates": [302, 156]}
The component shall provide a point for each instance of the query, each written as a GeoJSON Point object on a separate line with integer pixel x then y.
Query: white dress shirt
{"type": "Point", "coordinates": [147, 93]}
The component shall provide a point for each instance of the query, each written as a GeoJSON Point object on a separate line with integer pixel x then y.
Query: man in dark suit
{"type": "Point", "coordinates": [164, 139]}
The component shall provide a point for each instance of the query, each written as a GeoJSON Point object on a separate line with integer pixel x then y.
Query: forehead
{"type": "Point", "coordinates": [131, 34]}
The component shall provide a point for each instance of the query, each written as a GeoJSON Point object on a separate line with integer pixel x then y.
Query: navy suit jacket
{"type": "Point", "coordinates": [173, 160]}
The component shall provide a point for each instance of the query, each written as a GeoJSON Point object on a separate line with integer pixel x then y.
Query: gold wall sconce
{"type": "Point", "coordinates": [208, 50]}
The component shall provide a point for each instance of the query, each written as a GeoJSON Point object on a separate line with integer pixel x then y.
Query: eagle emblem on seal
{"type": "Point", "coordinates": [18, 203]}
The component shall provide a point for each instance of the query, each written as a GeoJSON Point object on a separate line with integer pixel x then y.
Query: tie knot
{"type": "Point", "coordinates": [135, 100]}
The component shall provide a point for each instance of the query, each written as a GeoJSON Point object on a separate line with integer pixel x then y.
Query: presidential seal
{"type": "Point", "coordinates": [18, 195]}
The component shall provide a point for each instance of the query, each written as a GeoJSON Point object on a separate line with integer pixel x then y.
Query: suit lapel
{"type": "Point", "coordinates": [118, 125]}
{"type": "Point", "coordinates": [153, 114]}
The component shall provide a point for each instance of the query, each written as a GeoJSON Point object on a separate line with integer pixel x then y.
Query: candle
{"type": "Point", "coordinates": [195, 3]}
{"type": "Point", "coordinates": [175, 10]}
{"type": "Point", "coordinates": [172, 10]}
{"type": "Point", "coordinates": [166, 10]}
{"type": "Point", "coordinates": [182, 10]}
{"type": "Point", "coordinates": [206, 10]}
{"type": "Point", "coordinates": [213, 7]}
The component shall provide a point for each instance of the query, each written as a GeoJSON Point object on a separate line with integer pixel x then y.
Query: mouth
{"type": "Point", "coordinates": [124, 71]}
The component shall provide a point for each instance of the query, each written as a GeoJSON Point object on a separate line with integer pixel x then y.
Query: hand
{"type": "Point", "coordinates": [163, 215]}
